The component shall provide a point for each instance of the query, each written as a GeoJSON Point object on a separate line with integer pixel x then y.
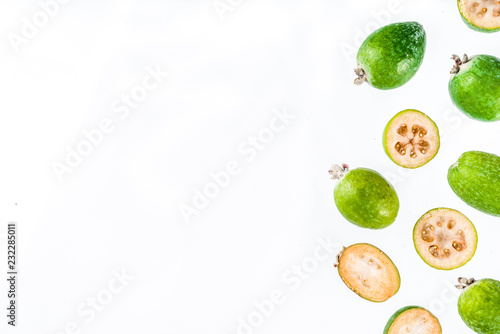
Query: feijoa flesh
{"type": "Point", "coordinates": [411, 139]}
{"type": "Point", "coordinates": [364, 197]}
{"type": "Point", "coordinates": [475, 178]}
{"type": "Point", "coordinates": [479, 305]}
{"type": "Point", "coordinates": [480, 15]}
{"type": "Point", "coordinates": [413, 319]}
{"type": "Point", "coordinates": [391, 56]}
{"type": "Point", "coordinates": [474, 86]}
{"type": "Point", "coordinates": [445, 238]}
{"type": "Point", "coordinates": [368, 272]}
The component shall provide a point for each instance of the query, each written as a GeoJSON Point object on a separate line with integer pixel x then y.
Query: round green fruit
{"type": "Point", "coordinates": [413, 319]}
{"type": "Point", "coordinates": [411, 139]}
{"type": "Point", "coordinates": [391, 56]}
{"type": "Point", "coordinates": [475, 178]}
{"type": "Point", "coordinates": [475, 86]}
{"type": "Point", "coordinates": [368, 272]}
{"type": "Point", "coordinates": [364, 197]}
{"type": "Point", "coordinates": [445, 239]}
{"type": "Point", "coordinates": [480, 15]}
{"type": "Point", "coordinates": [479, 305]}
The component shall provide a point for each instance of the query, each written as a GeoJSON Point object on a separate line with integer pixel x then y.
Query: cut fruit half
{"type": "Point", "coordinates": [413, 320]}
{"type": "Point", "coordinates": [411, 139]}
{"type": "Point", "coordinates": [445, 239]}
{"type": "Point", "coordinates": [482, 15]}
{"type": "Point", "coordinates": [367, 271]}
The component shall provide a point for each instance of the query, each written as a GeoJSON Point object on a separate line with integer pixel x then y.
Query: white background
{"type": "Point", "coordinates": [119, 209]}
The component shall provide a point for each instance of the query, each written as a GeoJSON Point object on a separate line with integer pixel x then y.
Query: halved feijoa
{"type": "Point", "coordinates": [474, 86]}
{"type": "Point", "coordinates": [475, 178]}
{"type": "Point", "coordinates": [367, 271]}
{"type": "Point", "coordinates": [445, 238]}
{"type": "Point", "coordinates": [391, 55]}
{"type": "Point", "coordinates": [413, 320]}
{"type": "Point", "coordinates": [481, 15]}
{"type": "Point", "coordinates": [411, 139]}
{"type": "Point", "coordinates": [479, 304]}
{"type": "Point", "coordinates": [364, 197]}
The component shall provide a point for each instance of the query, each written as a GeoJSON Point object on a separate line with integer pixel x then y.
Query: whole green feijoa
{"type": "Point", "coordinates": [479, 305]}
{"type": "Point", "coordinates": [391, 55]}
{"type": "Point", "coordinates": [413, 319]}
{"type": "Point", "coordinates": [475, 178]}
{"type": "Point", "coordinates": [364, 197]}
{"type": "Point", "coordinates": [475, 86]}
{"type": "Point", "coordinates": [480, 15]}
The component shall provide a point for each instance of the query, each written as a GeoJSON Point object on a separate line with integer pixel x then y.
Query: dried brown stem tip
{"type": "Point", "coordinates": [464, 283]}
{"type": "Point", "coordinates": [338, 172]}
{"type": "Point", "coordinates": [458, 62]}
{"type": "Point", "coordinates": [361, 76]}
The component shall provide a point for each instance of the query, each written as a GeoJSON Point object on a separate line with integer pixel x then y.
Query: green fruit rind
{"type": "Point", "coordinates": [392, 55]}
{"type": "Point", "coordinates": [479, 306]}
{"type": "Point", "coordinates": [475, 89]}
{"type": "Point", "coordinates": [396, 315]}
{"type": "Point", "coordinates": [387, 127]}
{"type": "Point", "coordinates": [472, 26]}
{"type": "Point", "coordinates": [366, 199]}
{"type": "Point", "coordinates": [475, 178]}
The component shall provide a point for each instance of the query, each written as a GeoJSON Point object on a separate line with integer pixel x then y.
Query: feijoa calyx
{"type": "Point", "coordinates": [391, 56]}
{"type": "Point", "coordinates": [480, 15]}
{"type": "Point", "coordinates": [474, 86]}
{"type": "Point", "coordinates": [479, 304]}
{"type": "Point", "coordinates": [445, 238]}
{"type": "Point", "coordinates": [475, 178]}
{"type": "Point", "coordinates": [411, 139]}
{"type": "Point", "coordinates": [368, 272]}
{"type": "Point", "coordinates": [364, 197]}
{"type": "Point", "coordinates": [413, 319]}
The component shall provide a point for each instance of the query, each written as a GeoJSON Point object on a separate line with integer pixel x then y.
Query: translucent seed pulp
{"type": "Point", "coordinates": [429, 234]}
{"type": "Point", "coordinates": [411, 140]}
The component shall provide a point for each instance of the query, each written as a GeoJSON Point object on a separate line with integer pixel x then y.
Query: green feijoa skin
{"type": "Point", "coordinates": [368, 272]}
{"type": "Point", "coordinates": [391, 55]}
{"type": "Point", "coordinates": [364, 197]}
{"type": "Point", "coordinates": [480, 15]}
{"type": "Point", "coordinates": [411, 139]}
{"type": "Point", "coordinates": [474, 86]}
{"type": "Point", "coordinates": [475, 178]}
{"type": "Point", "coordinates": [445, 238]}
{"type": "Point", "coordinates": [413, 319]}
{"type": "Point", "coordinates": [479, 304]}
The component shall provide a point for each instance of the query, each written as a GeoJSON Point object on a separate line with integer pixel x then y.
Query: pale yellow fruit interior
{"type": "Point", "coordinates": [445, 238]}
{"type": "Point", "coordinates": [415, 321]}
{"type": "Point", "coordinates": [412, 139]}
{"type": "Point", "coordinates": [370, 273]}
{"type": "Point", "coordinates": [481, 13]}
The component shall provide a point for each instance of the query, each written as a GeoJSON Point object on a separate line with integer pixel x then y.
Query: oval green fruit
{"type": "Point", "coordinates": [474, 86]}
{"type": "Point", "coordinates": [368, 272]}
{"type": "Point", "coordinates": [364, 197]}
{"type": "Point", "coordinates": [445, 238]}
{"type": "Point", "coordinates": [475, 178]}
{"type": "Point", "coordinates": [411, 139]}
{"type": "Point", "coordinates": [391, 56]}
{"type": "Point", "coordinates": [413, 319]}
{"type": "Point", "coordinates": [479, 305]}
{"type": "Point", "coordinates": [480, 15]}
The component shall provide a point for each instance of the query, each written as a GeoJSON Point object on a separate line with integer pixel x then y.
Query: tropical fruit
{"type": "Point", "coordinates": [367, 271]}
{"type": "Point", "coordinates": [475, 178]}
{"type": "Point", "coordinates": [411, 139]}
{"type": "Point", "coordinates": [391, 55]}
{"type": "Point", "coordinates": [474, 86]}
{"type": "Point", "coordinates": [445, 238]}
{"type": "Point", "coordinates": [479, 305]}
{"type": "Point", "coordinates": [364, 197]}
{"type": "Point", "coordinates": [480, 15]}
{"type": "Point", "coordinates": [413, 319]}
